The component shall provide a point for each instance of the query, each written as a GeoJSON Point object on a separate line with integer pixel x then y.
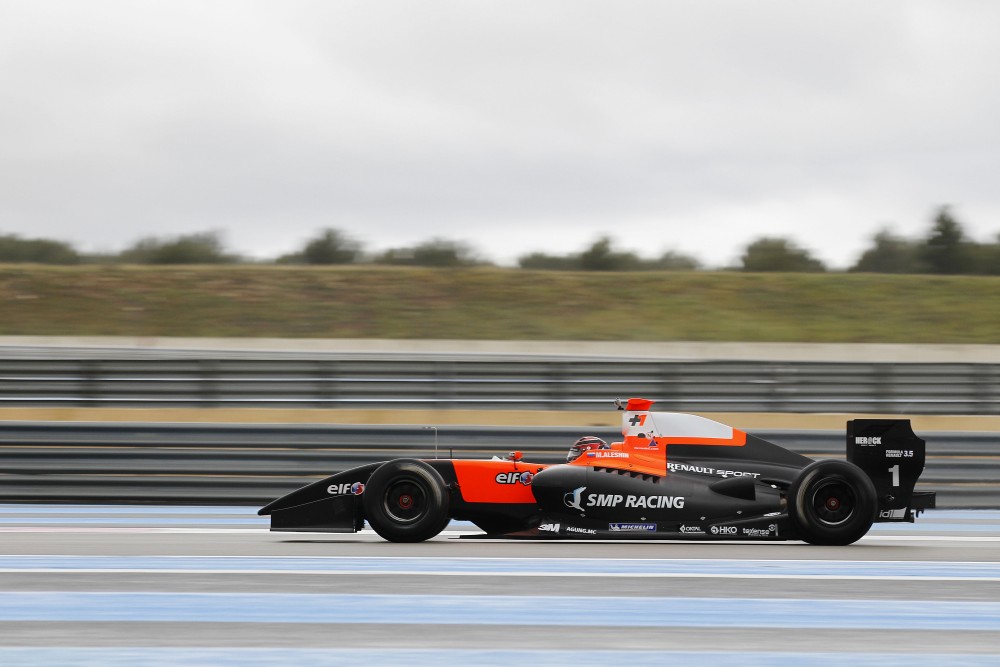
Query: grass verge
{"type": "Point", "coordinates": [496, 304]}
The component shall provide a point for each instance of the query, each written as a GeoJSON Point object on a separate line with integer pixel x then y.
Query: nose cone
{"type": "Point", "coordinates": [559, 487]}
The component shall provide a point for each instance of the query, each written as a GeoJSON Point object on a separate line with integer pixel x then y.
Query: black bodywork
{"type": "Point", "coordinates": [757, 491]}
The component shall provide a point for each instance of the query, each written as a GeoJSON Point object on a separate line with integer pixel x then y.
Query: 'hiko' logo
{"type": "Point", "coordinates": [573, 499]}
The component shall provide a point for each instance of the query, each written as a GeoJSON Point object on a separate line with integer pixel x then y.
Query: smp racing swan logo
{"type": "Point", "coordinates": [573, 499]}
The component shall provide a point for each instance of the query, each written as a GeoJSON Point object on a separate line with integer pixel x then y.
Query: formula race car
{"type": "Point", "coordinates": [673, 476]}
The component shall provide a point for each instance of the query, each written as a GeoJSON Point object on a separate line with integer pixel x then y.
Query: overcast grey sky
{"type": "Point", "coordinates": [512, 126]}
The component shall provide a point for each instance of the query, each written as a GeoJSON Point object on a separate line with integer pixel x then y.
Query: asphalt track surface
{"type": "Point", "coordinates": [153, 585]}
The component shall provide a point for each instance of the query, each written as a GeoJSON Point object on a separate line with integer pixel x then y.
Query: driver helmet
{"type": "Point", "coordinates": [584, 444]}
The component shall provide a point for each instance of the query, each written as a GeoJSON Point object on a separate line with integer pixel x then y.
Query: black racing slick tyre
{"type": "Point", "coordinates": [832, 503]}
{"type": "Point", "coordinates": [406, 501]}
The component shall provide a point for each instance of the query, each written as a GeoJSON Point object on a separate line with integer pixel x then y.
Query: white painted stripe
{"type": "Point", "coordinates": [510, 567]}
{"type": "Point", "coordinates": [875, 539]}
{"type": "Point", "coordinates": [765, 562]}
{"type": "Point", "coordinates": [503, 573]}
{"type": "Point", "coordinates": [160, 656]}
{"type": "Point", "coordinates": [119, 529]}
{"type": "Point", "coordinates": [871, 539]}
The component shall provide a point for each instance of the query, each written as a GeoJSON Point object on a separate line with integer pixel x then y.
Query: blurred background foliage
{"type": "Point", "coordinates": [945, 250]}
{"type": "Point", "coordinates": [942, 288]}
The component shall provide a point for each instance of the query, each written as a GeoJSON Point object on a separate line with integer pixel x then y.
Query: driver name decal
{"type": "Point", "coordinates": [604, 454]}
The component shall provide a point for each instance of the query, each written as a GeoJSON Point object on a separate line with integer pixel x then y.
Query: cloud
{"type": "Point", "coordinates": [512, 126]}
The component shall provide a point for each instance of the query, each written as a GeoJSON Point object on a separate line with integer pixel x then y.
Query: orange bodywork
{"type": "Point", "coordinates": [641, 451]}
{"type": "Point", "coordinates": [495, 481]}
{"type": "Point", "coordinates": [649, 455]}
{"type": "Point", "coordinates": [644, 459]}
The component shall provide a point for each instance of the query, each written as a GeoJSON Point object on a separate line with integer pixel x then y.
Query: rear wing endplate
{"type": "Point", "coordinates": [893, 457]}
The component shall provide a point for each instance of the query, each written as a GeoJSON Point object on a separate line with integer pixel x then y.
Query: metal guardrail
{"type": "Point", "coordinates": [216, 380]}
{"type": "Point", "coordinates": [213, 464]}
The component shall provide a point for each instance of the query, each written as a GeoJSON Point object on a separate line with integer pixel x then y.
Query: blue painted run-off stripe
{"type": "Point", "coordinates": [159, 656]}
{"type": "Point", "coordinates": [498, 610]}
{"type": "Point", "coordinates": [511, 566]}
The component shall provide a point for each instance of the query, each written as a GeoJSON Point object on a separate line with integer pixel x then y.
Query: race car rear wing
{"type": "Point", "coordinates": [893, 457]}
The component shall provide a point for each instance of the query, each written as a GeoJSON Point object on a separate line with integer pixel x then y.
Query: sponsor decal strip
{"type": "Point", "coordinates": [505, 610]}
{"type": "Point", "coordinates": [704, 470]}
{"type": "Point", "coordinates": [634, 527]}
{"type": "Point", "coordinates": [580, 501]}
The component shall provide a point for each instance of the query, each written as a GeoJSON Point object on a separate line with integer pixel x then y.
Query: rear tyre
{"type": "Point", "coordinates": [406, 501]}
{"type": "Point", "coordinates": [832, 503]}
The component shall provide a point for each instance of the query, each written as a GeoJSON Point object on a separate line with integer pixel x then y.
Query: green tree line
{"type": "Point", "coordinates": [945, 249]}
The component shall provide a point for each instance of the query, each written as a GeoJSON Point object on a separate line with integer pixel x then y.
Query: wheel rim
{"type": "Point", "coordinates": [833, 502]}
{"type": "Point", "coordinates": [405, 501]}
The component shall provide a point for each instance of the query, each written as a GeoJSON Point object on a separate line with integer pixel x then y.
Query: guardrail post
{"type": "Point", "coordinates": [326, 384]}
{"type": "Point", "coordinates": [208, 370]}
{"type": "Point", "coordinates": [985, 378]}
{"type": "Point", "coordinates": [89, 375]}
{"type": "Point", "coordinates": [781, 386]}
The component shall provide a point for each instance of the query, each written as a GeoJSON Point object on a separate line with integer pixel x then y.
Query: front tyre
{"type": "Point", "coordinates": [832, 503]}
{"type": "Point", "coordinates": [406, 501]}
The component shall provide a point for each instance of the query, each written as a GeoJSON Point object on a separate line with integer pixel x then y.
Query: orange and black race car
{"type": "Point", "coordinates": [673, 476]}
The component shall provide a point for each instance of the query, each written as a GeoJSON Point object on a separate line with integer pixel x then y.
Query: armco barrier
{"type": "Point", "coordinates": [212, 379]}
{"type": "Point", "coordinates": [226, 464]}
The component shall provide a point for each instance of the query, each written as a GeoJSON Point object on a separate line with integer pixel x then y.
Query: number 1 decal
{"type": "Point", "coordinates": [895, 474]}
